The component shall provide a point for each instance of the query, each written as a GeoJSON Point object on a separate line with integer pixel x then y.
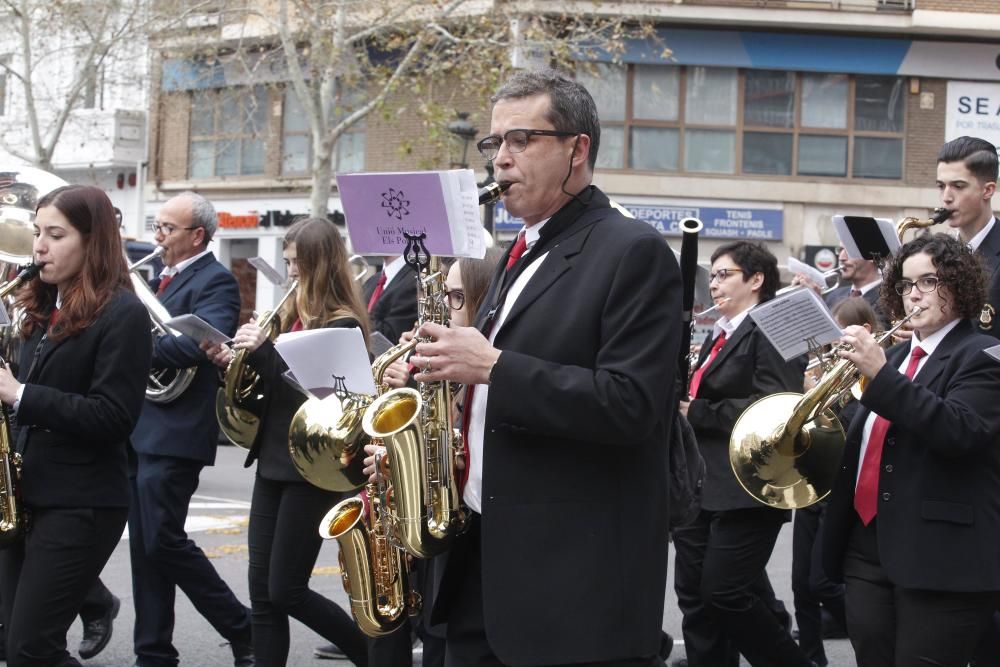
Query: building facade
{"type": "Point", "coordinates": [762, 118]}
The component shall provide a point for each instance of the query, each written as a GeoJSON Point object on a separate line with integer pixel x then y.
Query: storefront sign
{"type": "Point", "coordinates": [973, 110]}
{"type": "Point", "coordinates": [720, 222]}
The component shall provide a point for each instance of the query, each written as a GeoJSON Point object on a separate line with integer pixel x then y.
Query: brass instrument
{"type": "Point", "coordinates": [422, 443]}
{"type": "Point", "coordinates": [163, 385]}
{"type": "Point", "coordinates": [373, 567]}
{"type": "Point", "coordinates": [325, 438]}
{"type": "Point", "coordinates": [11, 517]}
{"type": "Point", "coordinates": [785, 448]}
{"type": "Point", "coordinates": [238, 403]}
{"type": "Point", "coordinates": [906, 224]}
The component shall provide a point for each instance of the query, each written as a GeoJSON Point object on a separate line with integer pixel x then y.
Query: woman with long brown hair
{"type": "Point", "coordinates": [285, 509]}
{"type": "Point", "coordinates": [82, 380]}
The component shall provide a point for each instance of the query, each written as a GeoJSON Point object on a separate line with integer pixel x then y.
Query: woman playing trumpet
{"type": "Point", "coordinates": [912, 521]}
{"type": "Point", "coordinates": [285, 509]}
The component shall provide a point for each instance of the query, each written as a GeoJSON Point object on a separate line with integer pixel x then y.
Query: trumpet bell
{"type": "Point", "coordinates": [326, 442]}
{"type": "Point", "coordinates": [787, 471]}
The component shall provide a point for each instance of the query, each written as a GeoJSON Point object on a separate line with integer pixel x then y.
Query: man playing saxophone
{"type": "Point", "coordinates": [174, 440]}
{"type": "Point", "coordinates": [573, 358]}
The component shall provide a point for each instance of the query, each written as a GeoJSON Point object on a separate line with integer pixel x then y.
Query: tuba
{"type": "Point", "coordinates": [11, 518]}
{"type": "Point", "coordinates": [422, 444]}
{"type": "Point", "coordinates": [163, 384]}
{"type": "Point", "coordinates": [785, 448]}
{"type": "Point", "coordinates": [238, 404]}
{"type": "Point", "coordinates": [373, 568]}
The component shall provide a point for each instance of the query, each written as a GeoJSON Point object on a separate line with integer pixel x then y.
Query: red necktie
{"type": "Point", "coordinates": [696, 378]}
{"type": "Point", "coordinates": [379, 288]}
{"type": "Point", "coordinates": [855, 291]}
{"type": "Point", "coordinates": [296, 325]}
{"type": "Point", "coordinates": [866, 493]}
{"type": "Point", "coordinates": [515, 254]}
{"type": "Point", "coordinates": [517, 250]}
{"type": "Point", "coordinates": [53, 317]}
{"type": "Point", "coordinates": [164, 281]}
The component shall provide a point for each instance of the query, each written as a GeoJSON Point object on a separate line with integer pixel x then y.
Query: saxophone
{"type": "Point", "coordinates": [11, 518]}
{"type": "Point", "coordinates": [373, 568]}
{"type": "Point", "coordinates": [422, 444]}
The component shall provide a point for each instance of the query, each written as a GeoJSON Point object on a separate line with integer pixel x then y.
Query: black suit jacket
{"type": "Point", "coordinates": [281, 402]}
{"type": "Point", "coordinates": [989, 250]}
{"type": "Point", "coordinates": [395, 311]}
{"type": "Point", "coordinates": [81, 400]}
{"type": "Point", "coordinates": [575, 455]}
{"type": "Point", "coordinates": [187, 427]}
{"type": "Point", "coordinates": [746, 369]}
{"type": "Point", "coordinates": [939, 509]}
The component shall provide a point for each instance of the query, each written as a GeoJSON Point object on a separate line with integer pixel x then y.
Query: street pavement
{"type": "Point", "coordinates": [217, 521]}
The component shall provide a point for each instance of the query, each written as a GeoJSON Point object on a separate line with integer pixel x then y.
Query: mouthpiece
{"type": "Point", "coordinates": [492, 192]}
{"type": "Point", "coordinates": [940, 215]}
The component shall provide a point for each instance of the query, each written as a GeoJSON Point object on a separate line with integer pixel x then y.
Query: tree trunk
{"type": "Point", "coordinates": [322, 174]}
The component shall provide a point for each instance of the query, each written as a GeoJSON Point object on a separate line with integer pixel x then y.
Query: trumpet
{"type": "Point", "coordinates": [163, 385]}
{"type": "Point", "coordinates": [826, 275]}
{"type": "Point", "coordinates": [785, 448]}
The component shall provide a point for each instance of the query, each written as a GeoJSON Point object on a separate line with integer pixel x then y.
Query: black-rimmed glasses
{"type": "Point", "coordinates": [455, 297]}
{"type": "Point", "coordinates": [516, 140]}
{"type": "Point", "coordinates": [167, 229]}
{"type": "Point", "coordinates": [925, 284]}
{"type": "Point", "coordinates": [722, 274]}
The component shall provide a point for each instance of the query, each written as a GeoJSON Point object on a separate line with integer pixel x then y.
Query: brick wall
{"type": "Point", "coordinates": [924, 132]}
{"type": "Point", "coordinates": [175, 116]}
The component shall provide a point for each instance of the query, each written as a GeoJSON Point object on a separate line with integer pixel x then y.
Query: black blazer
{"type": "Point", "coordinates": [746, 369]}
{"type": "Point", "coordinates": [989, 250]}
{"type": "Point", "coordinates": [574, 521]}
{"type": "Point", "coordinates": [939, 509]}
{"type": "Point", "coordinates": [81, 400]}
{"type": "Point", "coordinates": [281, 402]}
{"type": "Point", "coordinates": [187, 427]}
{"type": "Point", "coordinates": [395, 312]}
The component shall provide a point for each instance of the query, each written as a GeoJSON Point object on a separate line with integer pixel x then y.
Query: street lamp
{"type": "Point", "coordinates": [464, 132]}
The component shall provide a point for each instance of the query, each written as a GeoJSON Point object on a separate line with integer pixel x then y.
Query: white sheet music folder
{"type": "Point", "coordinates": [319, 357]}
{"type": "Point", "coordinates": [794, 320]}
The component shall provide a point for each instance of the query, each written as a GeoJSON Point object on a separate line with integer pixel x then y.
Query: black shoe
{"type": "Point", "coordinates": [680, 662]}
{"type": "Point", "coordinates": [329, 652]}
{"type": "Point", "coordinates": [242, 654]}
{"type": "Point", "coordinates": [97, 632]}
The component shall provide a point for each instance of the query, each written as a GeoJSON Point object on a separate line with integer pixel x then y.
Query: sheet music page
{"type": "Point", "coordinates": [993, 352]}
{"type": "Point", "coordinates": [795, 319]}
{"type": "Point", "coordinates": [197, 328]}
{"type": "Point", "coordinates": [319, 357]}
{"type": "Point", "coordinates": [380, 207]}
{"type": "Point", "coordinates": [272, 274]}
{"type": "Point", "coordinates": [810, 272]}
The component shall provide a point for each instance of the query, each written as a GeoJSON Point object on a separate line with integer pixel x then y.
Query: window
{"type": "Point", "coordinates": [762, 122]}
{"type": "Point", "coordinates": [228, 132]}
{"type": "Point", "coordinates": [296, 137]}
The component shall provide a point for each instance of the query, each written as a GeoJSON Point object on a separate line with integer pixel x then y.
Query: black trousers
{"type": "Point", "coordinates": [284, 543]}
{"type": "Point", "coordinates": [719, 576]}
{"type": "Point", "coordinates": [467, 645]}
{"type": "Point", "coordinates": [811, 588]}
{"type": "Point", "coordinates": [164, 558]}
{"type": "Point", "coordinates": [897, 627]}
{"type": "Point", "coordinates": [46, 577]}
{"type": "Point", "coordinates": [396, 649]}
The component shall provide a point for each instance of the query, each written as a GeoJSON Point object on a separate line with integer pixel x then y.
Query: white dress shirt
{"type": "Point", "coordinates": [473, 494]}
